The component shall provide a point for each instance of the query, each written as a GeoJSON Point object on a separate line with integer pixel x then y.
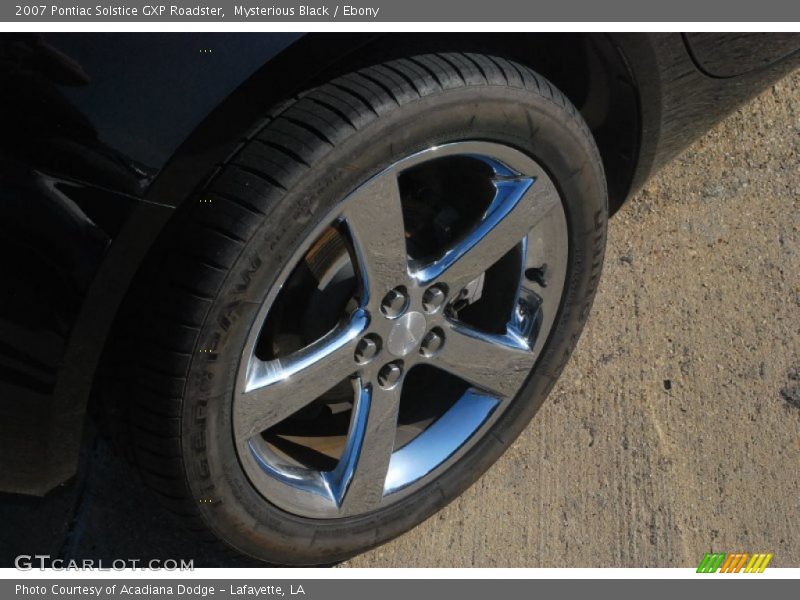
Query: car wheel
{"type": "Point", "coordinates": [366, 304]}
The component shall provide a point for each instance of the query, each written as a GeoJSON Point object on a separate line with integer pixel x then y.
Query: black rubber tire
{"type": "Point", "coordinates": [225, 246]}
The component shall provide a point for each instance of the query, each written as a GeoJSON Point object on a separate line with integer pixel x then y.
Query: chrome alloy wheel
{"type": "Point", "coordinates": [440, 279]}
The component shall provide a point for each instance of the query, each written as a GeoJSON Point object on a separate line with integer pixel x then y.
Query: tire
{"type": "Point", "coordinates": [224, 250]}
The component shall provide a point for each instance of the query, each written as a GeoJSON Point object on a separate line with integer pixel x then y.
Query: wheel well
{"type": "Point", "coordinates": [588, 68]}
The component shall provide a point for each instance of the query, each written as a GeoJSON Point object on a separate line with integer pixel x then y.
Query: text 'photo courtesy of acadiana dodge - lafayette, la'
{"type": "Point", "coordinates": [171, 10]}
{"type": "Point", "coordinates": [147, 589]}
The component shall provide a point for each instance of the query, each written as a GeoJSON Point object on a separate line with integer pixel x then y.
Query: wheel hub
{"type": "Point", "coordinates": [406, 333]}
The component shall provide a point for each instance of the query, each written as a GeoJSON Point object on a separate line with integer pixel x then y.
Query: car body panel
{"type": "Point", "coordinates": [724, 55]}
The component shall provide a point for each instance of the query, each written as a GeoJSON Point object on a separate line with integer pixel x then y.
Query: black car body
{"type": "Point", "coordinates": [103, 136]}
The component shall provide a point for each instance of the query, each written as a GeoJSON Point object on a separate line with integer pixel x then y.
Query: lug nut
{"type": "Point", "coordinates": [389, 375]}
{"type": "Point", "coordinates": [394, 303]}
{"type": "Point", "coordinates": [367, 348]}
{"type": "Point", "coordinates": [433, 298]}
{"type": "Point", "coordinates": [432, 343]}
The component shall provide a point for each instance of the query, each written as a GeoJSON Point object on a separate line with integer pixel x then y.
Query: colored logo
{"type": "Point", "coordinates": [734, 563]}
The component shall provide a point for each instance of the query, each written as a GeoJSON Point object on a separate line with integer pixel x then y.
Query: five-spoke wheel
{"type": "Point", "coordinates": [474, 306]}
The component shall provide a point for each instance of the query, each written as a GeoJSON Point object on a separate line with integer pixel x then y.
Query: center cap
{"type": "Point", "coordinates": [407, 333]}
